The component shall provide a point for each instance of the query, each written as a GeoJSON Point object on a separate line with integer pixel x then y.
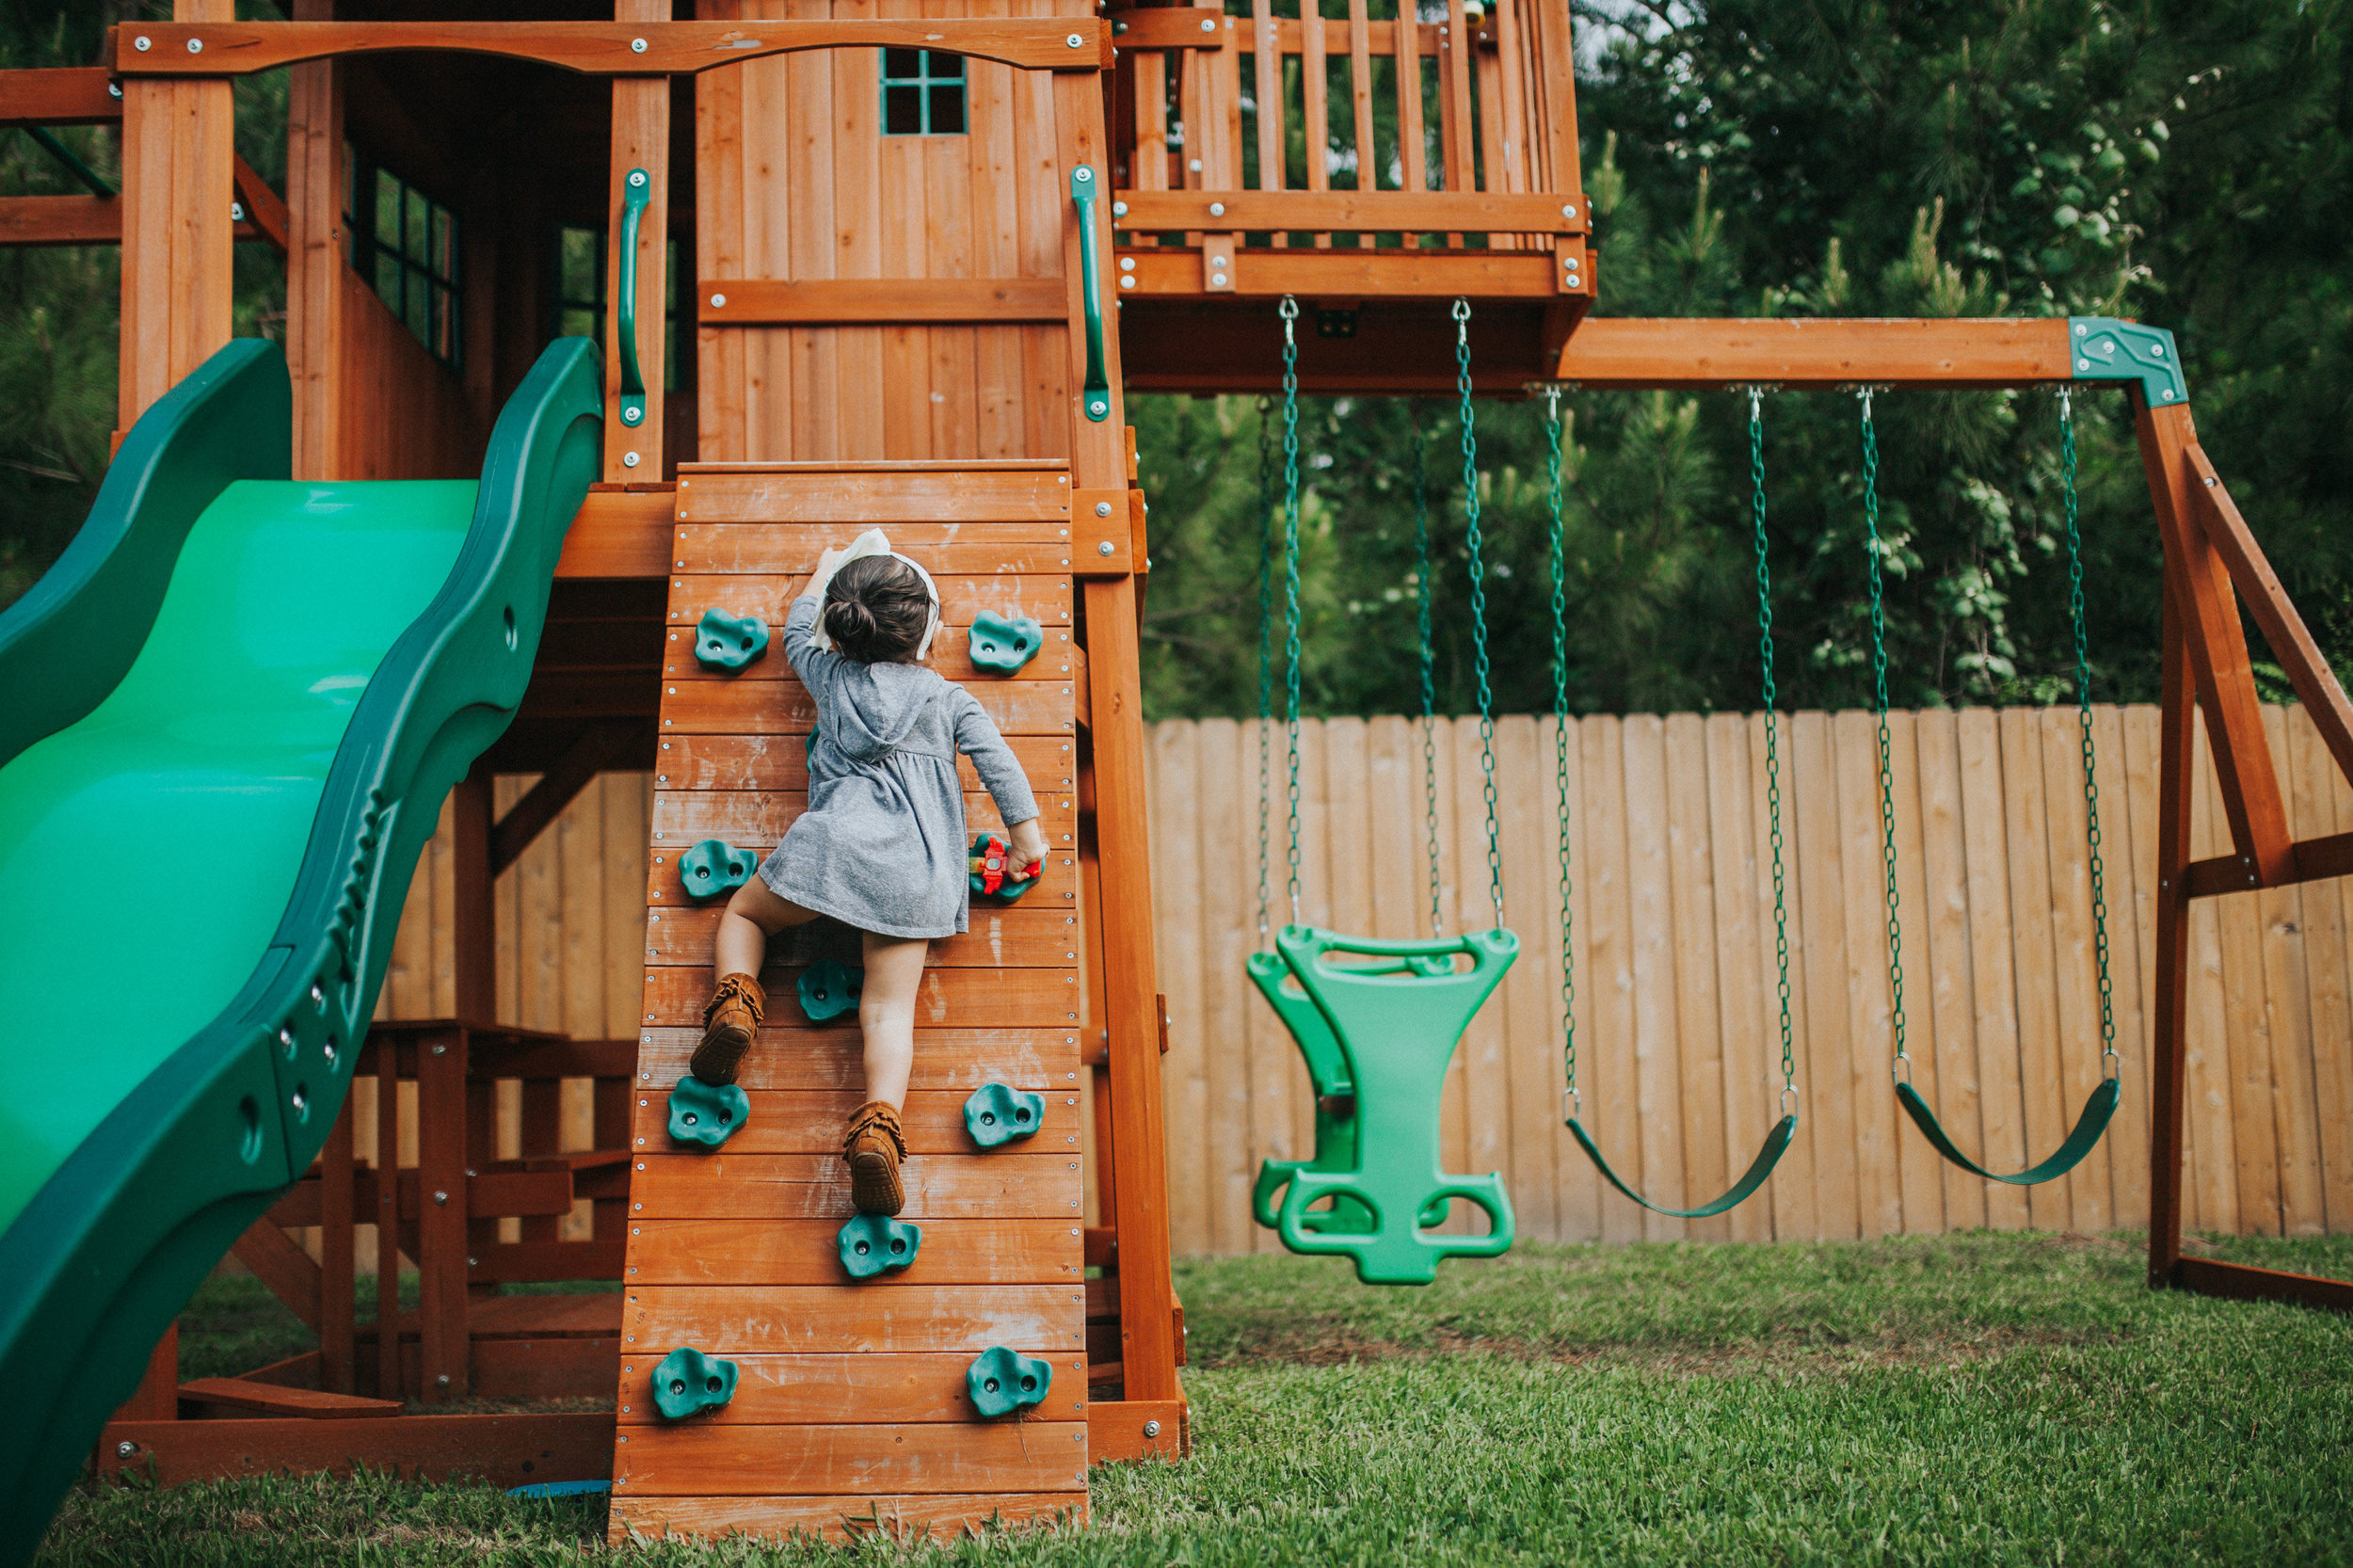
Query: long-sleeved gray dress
{"type": "Point", "coordinates": [882, 846]}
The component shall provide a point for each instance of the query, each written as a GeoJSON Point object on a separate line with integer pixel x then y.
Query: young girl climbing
{"type": "Point", "coordinates": [882, 845]}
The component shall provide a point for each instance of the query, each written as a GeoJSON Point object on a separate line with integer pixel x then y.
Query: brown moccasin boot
{"type": "Point", "coordinates": [729, 1017]}
{"type": "Point", "coordinates": [873, 1147]}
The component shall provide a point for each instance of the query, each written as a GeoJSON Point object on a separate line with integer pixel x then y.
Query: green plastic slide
{"type": "Point", "coordinates": [228, 716]}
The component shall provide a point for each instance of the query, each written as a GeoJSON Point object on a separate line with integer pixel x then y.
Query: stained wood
{"type": "Point", "coordinates": [1747, 1004]}
{"type": "Point", "coordinates": [2001, 1102]}
{"type": "Point", "coordinates": [781, 762]}
{"type": "Point", "coordinates": [983, 1250]}
{"type": "Point", "coordinates": [1047, 600]}
{"type": "Point", "coordinates": [1657, 1037]}
{"type": "Point", "coordinates": [1356, 274]}
{"type": "Point", "coordinates": [1015, 998]}
{"type": "Point", "coordinates": [845, 1518]}
{"type": "Point", "coordinates": [726, 1320]}
{"type": "Point", "coordinates": [934, 502]}
{"type": "Point", "coordinates": [878, 302]}
{"type": "Point", "coordinates": [807, 1186]}
{"type": "Point", "coordinates": [1628, 351]}
{"type": "Point", "coordinates": [600, 48]}
{"type": "Point", "coordinates": [1057, 883]}
{"type": "Point", "coordinates": [1691, 884]}
{"type": "Point", "coordinates": [960, 550]}
{"type": "Point", "coordinates": [2320, 797]}
{"type": "Point", "coordinates": [761, 707]}
{"type": "Point", "coordinates": [1607, 1064]}
{"type": "Point", "coordinates": [886, 1388]}
{"type": "Point", "coordinates": [1815, 789]}
{"type": "Point", "coordinates": [1059, 658]}
{"type": "Point", "coordinates": [297, 1403]}
{"type": "Point", "coordinates": [2286, 954]}
{"type": "Point", "coordinates": [2075, 971]}
{"type": "Point", "coordinates": [761, 816]}
{"type": "Point", "coordinates": [67, 95]}
{"type": "Point", "coordinates": [1528, 1041]}
{"type": "Point", "coordinates": [799, 1058]}
{"type": "Point", "coordinates": [2210, 1078]}
{"type": "Point", "coordinates": [2047, 1117]}
{"type": "Point", "coordinates": [805, 1121]}
{"type": "Point", "coordinates": [1948, 985]}
{"type": "Point", "coordinates": [1870, 1043]}
{"type": "Point", "coordinates": [1364, 210]}
{"type": "Point", "coordinates": [1014, 933]}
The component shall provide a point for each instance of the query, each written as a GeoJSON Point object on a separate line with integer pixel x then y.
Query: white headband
{"type": "Point", "coordinates": [874, 542]}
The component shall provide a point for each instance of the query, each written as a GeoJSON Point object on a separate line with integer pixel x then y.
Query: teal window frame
{"type": "Point", "coordinates": [922, 91]}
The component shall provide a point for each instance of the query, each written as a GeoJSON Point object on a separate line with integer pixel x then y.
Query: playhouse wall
{"type": "Point", "coordinates": [796, 183]}
{"type": "Point", "coordinates": [1677, 1045]}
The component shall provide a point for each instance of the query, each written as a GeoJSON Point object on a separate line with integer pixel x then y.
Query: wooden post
{"type": "Point", "coordinates": [389, 1375]}
{"type": "Point", "coordinates": [178, 184]}
{"type": "Point", "coordinates": [338, 1309]}
{"type": "Point", "coordinates": [2169, 1057]}
{"type": "Point", "coordinates": [472, 920]}
{"type": "Point", "coordinates": [442, 1341]}
{"type": "Point", "coordinates": [316, 247]}
{"type": "Point", "coordinates": [641, 139]}
{"type": "Point", "coordinates": [158, 1395]}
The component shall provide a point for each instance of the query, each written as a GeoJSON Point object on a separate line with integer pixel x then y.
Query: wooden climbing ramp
{"type": "Point", "coordinates": [850, 1404]}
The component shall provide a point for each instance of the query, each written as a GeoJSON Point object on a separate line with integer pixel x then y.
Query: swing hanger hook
{"type": "Point", "coordinates": [1290, 307]}
{"type": "Point", "coordinates": [2066, 401]}
{"type": "Point", "coordinates": [2111, 1065]}
{"type": "Point", "coordinates": [1900, 1070]}
{"type": "Point", "coordinates": [1572, 1106]}
{"type": "Point", "coordinates": [1552, 402]}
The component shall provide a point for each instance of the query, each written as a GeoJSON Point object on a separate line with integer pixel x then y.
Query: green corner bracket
{"type": "Point", "coordinates": [2102, 348]}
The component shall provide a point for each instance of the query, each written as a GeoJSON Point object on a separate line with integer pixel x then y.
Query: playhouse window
{"type": "Point", "coordinates": [579, 294]}
{"type": "Point", "coordinates": [922, 93]}
{"type": "Point", "coordinates": [405, 244]}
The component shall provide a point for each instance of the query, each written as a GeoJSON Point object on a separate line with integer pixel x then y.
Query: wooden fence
{"type": "Point", "coordinates": [1678, 1043]}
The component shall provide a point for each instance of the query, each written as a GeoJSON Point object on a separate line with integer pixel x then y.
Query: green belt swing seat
{"type": "Point", "coordinates": [1376, 1036]}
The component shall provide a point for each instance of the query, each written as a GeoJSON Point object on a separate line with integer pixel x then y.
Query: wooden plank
{"type": "Point", "coordinates": [1045, 598]}
{"type": "Point", "coordinates": [840, 1318]}
{"type": "Point", "coordinates": [1912, 1184]}
{"type": "Point", "coordinates": [503, 1451]}
{"type": "Point", "coordinates": [441, 1213]}
{"type": "Point", "coordinates": [1657, 1054]}
{"type": "Point", "coordinates": [992, 1251]}
{"type": "Point", "coordinates": [1689, 866]}
{"type": "Point", "coordinates": [853, 1517]}
{"type": "Point", "coordinates": [1813, 789]}
{"type": "Point", "coordinates": [803, 1186]}
{"type": "Point", "coordinates": [915, 496]}
{"type": "Point", "coordinates": [1184, 788]}
{"type": "Point", "coordinates": [2286, 953]}
{"type": "Point", "coordinates": [761, 816]}
{"type": "Point", "coordinates": [1004, 999]}
{"type": "Point", "coordinates": [959, 1057]}
{"type": "Point", "coordinates": [748, 707]}
{"type": "Point", "coordinates": [787, 1461]}
{"type": "Point", "coordinates": [2127, 739]}
{"type": "Point", "coordinates": [2243, 1054]}
{"type": "Point", "coordinates": [2048, 1206]}
{"type": "Point", "coordinates": [811, 1121]}
{"type": "Point", "coordinates": [283, 1266]}
{"type": "Point", "coordinates": [1060, 660]}
{"type": "Point", "coordinates": [1314, 110]}
{"type": "Point", "coordinates": [339, 1311]}
{"type": "Point", "coordinates": [59, 95]}
{"type": "Point", "coordinates": [602, 48]}
{"type": "Point", "coordinates": [1057, 883]}
{"type": "Point", "coordinates": [1015, 934]}
{"type": "Point", "coordinates": [310, 1404]}
{"type": "Point", "coordinates": [640, 141]}
{"type": "Point", "coordinates": [1870, 1042]}
{"type": "Point", "coordinates": [878, 302]}
{"type": "Point", "coordinates": [1947, 991]}
{"type": "Point", "coordinates": [1455, 113]}
{"type": "Point", "coordinates": [966, 550]}
{"type": "Point", "coordinates": [1267, 69]}
{"type": "Point", "coordinates": [1816, 353]}
{"type": "Point", "coordinates": [2075, 971]}
{"type": "Point", "coordinates": [1747, 999]}
{"type": "Point", "coordinates": [1367, 150]}
{"type": "Point", "coordinates": [314, 264]}
{"type": "Point", "coordinates": [774, 762]}
{"type": "Point", "coordinates": [2212, 1145]}
{"type": "Point", "coordinates": [619, 534]}
{"type": "Point", "coordinates": [2320, 797]}
{"type": "Point", "coordinates": [885, 1389]}
{"type": "Point", "coordinates": [1364, 210]}
{"type": "Point", "coordinates": [1364, 274]}
{"type": "Point", "coordinates": [1992, 966]}
{"type": "Point", "coordinates": [2245, 1282]}
{"type": "Point", "coordinates": [1245, 1026]}
{"type": "Point", "coordinates": [1527, 1088]}
{"type": "Point", "coordinates": [1607, 1064]}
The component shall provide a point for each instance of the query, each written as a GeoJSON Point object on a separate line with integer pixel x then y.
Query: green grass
{"type": "Point", "coordinates": [1958, 1399]}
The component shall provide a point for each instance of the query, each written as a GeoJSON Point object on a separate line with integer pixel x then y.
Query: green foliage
{"type": "Point", "coordinates": [1977, 1399]}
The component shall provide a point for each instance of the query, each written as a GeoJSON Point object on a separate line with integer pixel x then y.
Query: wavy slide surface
{"type": "Point", "coordinates": [228, 719]}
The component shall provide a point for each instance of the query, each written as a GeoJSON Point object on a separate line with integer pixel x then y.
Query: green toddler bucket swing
{"type": "Point", "coordinates": [1776, 1141]}
{"type": "Point", "coordinates": [1377, 1029]}
{"type": "Point", "coordinates": [2100, 1104]}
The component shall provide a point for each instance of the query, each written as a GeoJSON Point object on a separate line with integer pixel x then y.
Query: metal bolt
{"type": "Point", "coordinates": [195, 46]}
{"type": "Point", "coordinates": [142, 44]}
{"type": "Point", "coordinates": [440, 1197]}
{"type": "Point", "coordinates": [1151, 1428]}
{"type": "Point", "coordinates": [236, 212]}
{"type": "Point", "coordinates": [1126, 264]}
{"type": "Point", "coordinates": [1217, 209]}
{"type": "Point", "coordinates": [1103, 549]}
{"type": "Point", "coordinates": [440, 1050]}
{"type": "Point", "coordinates": [1207, 26]}
{"type": "Point", "coordinates": [441, 1381]}
{"type": "Point", "coordinates": [632, 415]}
{"type": "Point", "coordinates": [473, 1263]}
{"type": "Point", "coordinates": [637, 46]}
{"type": "Point", "coordinates": [718, 301]}
{"type": "Point", "coordinates": [1119, 209]}
{"type": "Point", "coordinates": [1194, 164]}
{"type": "Point", "coordinates": [1128, 281]}
{"type": "Point", "coordinates": [629, 460]}
{"type": "Point", "coordinates": [114, 89]}
{"type": "Point", "coordinates": [1102, 508]}
{"type": "Point", "coordinates": [1217, 279]}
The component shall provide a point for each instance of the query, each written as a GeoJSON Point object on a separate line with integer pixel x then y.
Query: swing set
{"type": "Point", "coordinates": [1378, 1031]}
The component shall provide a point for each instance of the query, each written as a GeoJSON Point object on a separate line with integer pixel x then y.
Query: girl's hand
{"type": "Point", "coordinates": [1028, 844]}
{"type": "Point", "coordinates": [827, 562]}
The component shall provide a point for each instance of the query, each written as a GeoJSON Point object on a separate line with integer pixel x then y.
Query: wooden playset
{"type": "Point", "coordinates": [849, 266]}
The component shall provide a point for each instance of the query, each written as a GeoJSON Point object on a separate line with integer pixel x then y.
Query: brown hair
{"type": "Point", "coordinates": [876, 609]}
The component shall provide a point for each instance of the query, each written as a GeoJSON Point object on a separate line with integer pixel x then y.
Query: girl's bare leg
{"type": "Point", "coordinates": [753, 915]}
{"type": "Point", "coordinates": [886, 1012]}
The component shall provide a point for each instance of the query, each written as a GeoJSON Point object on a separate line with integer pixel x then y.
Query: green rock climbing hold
{"type": "Point", "coordinates": [992, 873]}
{"type": "Point", "coordinates": [1004, 643]}
{"type": "Point", "coordinates": [829, 988]}
{"type": "Point", "coordinates": [997, 1114]}
{"type": "Point", "coordinates": [877, 1244]}
{"type": "Point", "coordinates": [707, 1113]}
{"type": "Point", "coordinates": [1001, 1381]}
{"type": "Point", "coordinates": [711, 867]}
{"type": "Point", "coordinates": [725, 642]}
{"type": "Point", "coordinates": [688, 1381]}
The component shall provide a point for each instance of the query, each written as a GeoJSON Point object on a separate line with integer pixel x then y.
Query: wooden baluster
{"type": "Point", "coordinates": [1267, 44]}
{"type": "Point", "coordinates": [1508, 106]}
{"type": "Point", "coordinates": [1556, 96]}
{"type": "Point", "coordinates": [338, 1310]}
{"type": "Point", "coordinates": [178, 183]}
{"type": "Point", "coordinates": [1360, 99]}
{"type": "Point", "coordinates": [1406, 32]}
{"type": "Point", "coordinates": [389, 1376]}
{"type": "Point", "coordinates": [1314, 103]}
{"type": "Point", "coordinates": [1454, 103]}
{"type": "Point", "coordinates": [641, 139]}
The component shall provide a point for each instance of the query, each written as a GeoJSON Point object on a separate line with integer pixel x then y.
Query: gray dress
{"type": "Point", "coordinates": [882, 846]}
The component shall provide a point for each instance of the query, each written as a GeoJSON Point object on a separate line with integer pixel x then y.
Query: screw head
{"type": "Point", "coordinates": [718, 301]}
{"type": "Point", "coordinates": [1102, 508]}
{"type": "Point", "coordinates": [636, 178]}
{"type": "Point", "coordinates": [629, 460]}
{"type": "Point", "coordinates": [440, 1197]}
{"type": "Point", "coordinates": [637, 46]}
{"type": "Point", "coordinates": [114, 89]}
{"type": "Point", "coordinates": [441, 1381]}
{"type": "Point", "coordinates": [1103, 549]}
{"type": "Point", "coordinates": [1076, 42]}
{"type": "Point", "coordinates": [195, 46]}
{"type": "Point", "coordinates": [1151, 1428]}
{"type": "Point", "coordinates": [1207, 26]}
{"type": "Point", "coordinates": [126, 1448]}
{"type": "Point", "coordinates": [632, 415]}
{"type": "Point", "coordinates": [142, 44]}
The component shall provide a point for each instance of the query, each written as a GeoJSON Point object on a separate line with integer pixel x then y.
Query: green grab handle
{"type": "Point", "coordinates": [2089, 1125]}
{"type": "Point", "coordinates": [636, 190]}
{"type": "Point", "coordinates": [1098, 384]}
{"type": "Point", "coordinates": [1776, 1145]}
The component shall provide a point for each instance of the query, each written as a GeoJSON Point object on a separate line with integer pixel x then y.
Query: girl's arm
{"type": "Point", "coordinates": [1000, 774]}
{"type": "Point", "coordinates": [799, 639]}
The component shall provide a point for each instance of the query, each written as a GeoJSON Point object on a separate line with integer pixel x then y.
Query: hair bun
{"type": "Point", "coordinates": [849, 620]}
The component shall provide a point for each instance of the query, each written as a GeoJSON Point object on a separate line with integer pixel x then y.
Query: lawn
{"type": "Point", "coordinates": [1983, 1399]}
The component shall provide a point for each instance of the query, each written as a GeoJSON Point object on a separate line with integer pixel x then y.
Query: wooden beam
{"type": "Point", "coordinates": [284, 1267]}
{"type": "Point", "coordinates": [30, 220]}
{"type": "Point", "coordinates": [503, 1451]}
{"type": "Point", "coordinates": [2169, 1053]}
{"type": "Point", "coordinates": [472, 929]}
{"type": "Point", "coordinates": [271, 1399]}
{"type": "Point", "coordinates": [1352, 212]}
{"type": "Point", "coordinates": [1360, 274]}
{"type": "Point", "coordinates": [2215, 644]}
{"type": "Point", "coordinates": [69, 95]}
{"type": "Point", "coordinates": [2316, 861]}
{"type": "Point", "coordinates": [640, 141]}
{"type": "Point", "coordinates": [314, 259]}
{"type": "Point", "coordinates": [619, 534]}
{"type": "Point", "coordinates": [772, 302]}
{"type": "Point", "coordinates": [264, 211]}
{"type": "Point", "coordinates": [178, 158]}
{"type": "Point", "coordinates": [598, 48]}
{"type": "Point", "coordinates": [530, 816]}
{"type": "Point", "coordinates": [2275, 613]}
{"type": "Point", "coordinates": [1606, 352]}
{"type": "Point", "coordinates": [2209, 1277]}
{"type": "Point", "coordinates": [1170, 28]}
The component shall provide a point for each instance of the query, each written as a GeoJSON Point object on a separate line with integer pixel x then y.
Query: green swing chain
{"type": "Point", "coordinates": [1478, 600]}
{"type": "Point", "coordinates": [2109, 1066]}
{"type": "Point", "coordinates": [1902, 1065]}
{"type": "Point", "coordinates": [1266, 643]}
{"type": "Point", "coordinates": [1560, 746]}
{"type": "Point", "coordinates": [1772, 738]}
{"type": "Point", "coordinates": [1422, 591]}
{"type": "Point", "coordinates": [1290, 573]}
